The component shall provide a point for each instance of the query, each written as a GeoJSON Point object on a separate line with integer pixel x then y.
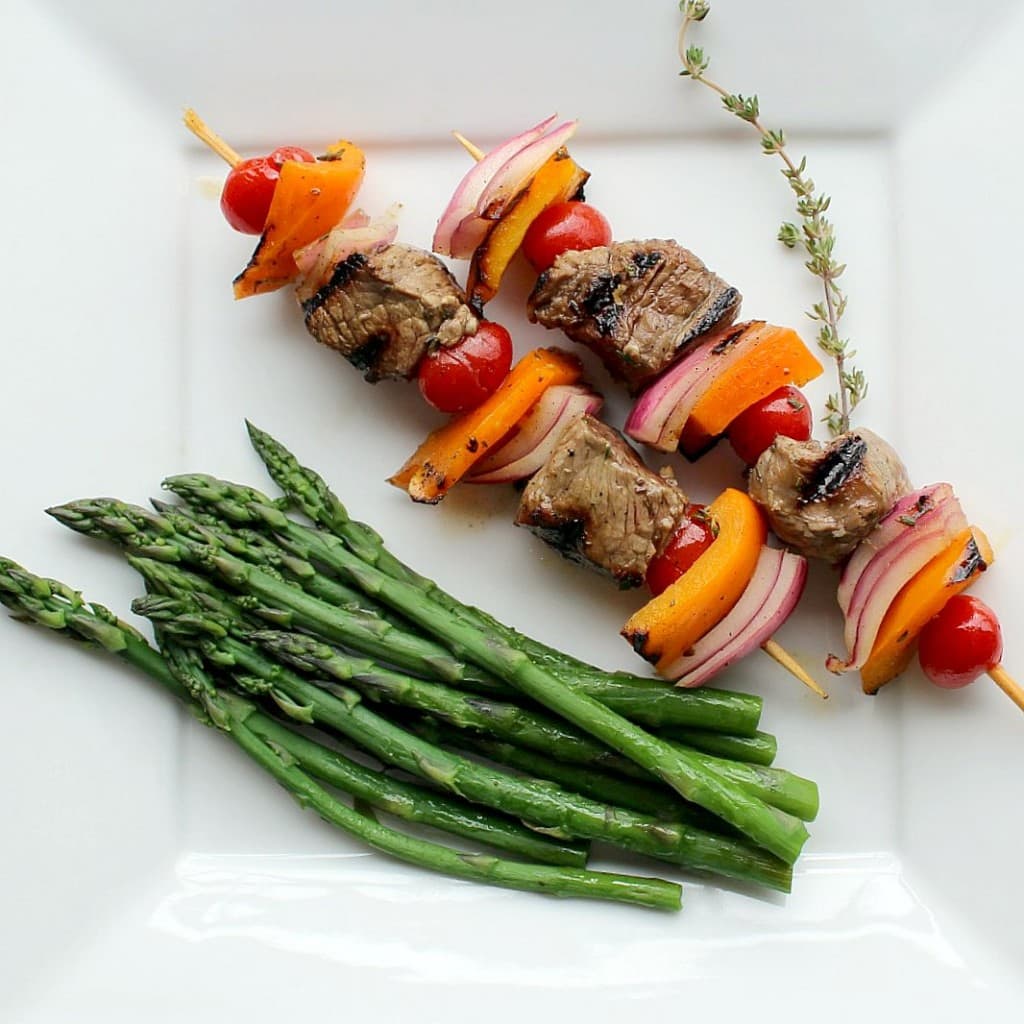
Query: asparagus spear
{"type": "Point", "coordinates": [56, 606]}
{"type": "Point", "coordinates": [161, 539]}
{"type": "Point", "coordinates": [49, 603]}
{"type": "Point", "coordinates": [779, 832]}
{"type": "Point", "coordinates": [541, 804]}
{"type": "Point", "coordinates": [647, 799]}
{"type": "Point", "coordinates": [760, 748]}
{"type": "Point", "coordinates": [775, 786]}
{"type": "Point", "coordinates": [195, 607]}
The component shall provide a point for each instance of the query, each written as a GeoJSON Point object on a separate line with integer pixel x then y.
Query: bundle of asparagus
{"type": "Point", "coordinates": [267, 626]}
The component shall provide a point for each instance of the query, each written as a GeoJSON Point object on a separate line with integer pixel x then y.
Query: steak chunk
{"type": "Point", "coordinates": [824, 500]}
{"type": "Point", "coordinates": [597, 503]}
{"type": "Point", "coordinates": [384, 310]}
{"type": "Point", "coordinates": [636, 304]}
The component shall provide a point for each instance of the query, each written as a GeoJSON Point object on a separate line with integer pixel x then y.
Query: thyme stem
{"type": "Point", "coordinates": [816, 234]}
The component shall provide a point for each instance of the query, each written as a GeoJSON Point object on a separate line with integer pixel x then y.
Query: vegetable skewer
{"type": "Point", "coordinates": [163, 540]}
{"type": "Point", "coordinates": [771, 647]}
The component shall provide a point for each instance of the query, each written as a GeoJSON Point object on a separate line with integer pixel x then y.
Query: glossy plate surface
{"type": "Point", "coordinates": [148, 874]}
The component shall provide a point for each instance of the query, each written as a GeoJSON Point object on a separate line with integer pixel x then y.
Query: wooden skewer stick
{"type": "Point", "coordinates": [1012, 689]}
{"type": "Point", "coordinates": [199, 128]}
{"type": "Point", "coordinates": [774, 650]}
{"type": "Point", "coordinates": [792, 666]}
{"type": "Point", "coordinates": [474, 151]}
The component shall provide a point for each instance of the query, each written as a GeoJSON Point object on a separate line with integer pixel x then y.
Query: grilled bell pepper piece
{"type": "Point", "coordinates": [309, 200]}
{"type": "Point", "coordinates": [779, 357]}
{"type": "Point", "coordinates": [920, 600]}
{"type": "Point", "coordinates": [557, 181]}
{"type": "Point", "coordinates": [677, 618]}
{"type": "Point", "coordinates": [447, 454]}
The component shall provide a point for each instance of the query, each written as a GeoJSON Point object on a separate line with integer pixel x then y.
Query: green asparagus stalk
{"type": "Point", "coordinates": [49, 603]}
{"type": "Point", "coordinates": [496, 718]}
{"type": "Point", "coordinates": [760, 748]}
{"type": "Point", "coordinates": [186, 610]}
{"type": "Point", "coordinates": [508, 722]}
{"type": "Point", "coordinates": [477, 867]}
{"type": "Point", "coordinates": [647, 799]}
{"type": "Point", "coordinates": [158, 538]}
{"type": "Point", "coordinates": [57, 607]}
{"type": "Point", "coordinates": [776, 831]}
{"type": "Point", "coordinates": [543, 804]}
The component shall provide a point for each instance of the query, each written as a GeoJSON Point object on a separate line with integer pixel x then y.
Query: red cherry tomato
{"type": "Point", "coordinates": [685, 546]}
{"type": "Point", "coordinates": [561, 227]}
{"type": "Point", "coordinates": [249, 188]}
{"type": "Point", "coordinates": [961, 643]}
{"type": "Point", "coordinates": [785, 411]}
{"type": "Point", "coordinates": [459, 378]}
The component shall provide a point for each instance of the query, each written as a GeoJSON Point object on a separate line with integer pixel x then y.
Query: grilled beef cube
{"type": "Point", "coordinates": [600, 505]}
{"type": "Point", "coordinates": [824, 500]}
{"type": "Point", "coordinates": [384, 310]}
{"type": "Point", "coordinates": [636, 304]}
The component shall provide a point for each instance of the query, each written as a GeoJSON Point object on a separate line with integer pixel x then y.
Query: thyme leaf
{"type": "Point", "coordinates": [814, 234]}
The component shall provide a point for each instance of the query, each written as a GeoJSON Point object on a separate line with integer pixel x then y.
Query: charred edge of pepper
{"type": "Point", "coordinates": [839, 462]}
{"type": "Point", "coordinates": [970, 565]}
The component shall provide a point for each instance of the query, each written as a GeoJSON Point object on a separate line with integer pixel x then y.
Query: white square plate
{"type": "Point", "coordinates": [147, 873]}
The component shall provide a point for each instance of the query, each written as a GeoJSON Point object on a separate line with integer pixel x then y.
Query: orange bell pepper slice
{"type": "Point", "coordinates": [921, 599]}
{"type": "Point", "coordinates": [449, 452]}
{"type": "Point", "coordinates": [676, 619]}
{"type": "Point", "coordinates": [557, 181]}
{"type": "Point", "coordinates": [778, 357]}
{"type": "Point", "coordinates": [309, 199]}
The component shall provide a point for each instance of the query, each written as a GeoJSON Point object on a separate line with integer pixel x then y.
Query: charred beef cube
{"type": "Point", "coordinates": [823, 500]}
{"type": "Point", "coordinates": [636, 304]}
{"type": "Point", "coordinates": [384, 310]}
{"type": "Point", "coordinates": [600, 505]}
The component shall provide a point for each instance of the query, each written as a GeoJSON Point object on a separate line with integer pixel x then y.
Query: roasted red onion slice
{"type": "Point", "coordinates": [508, 183]}
{"type": "Point", "coordinates": [356, 233]}
{"type": "Point", "coordinates": [536, 435]}
{"type": "Point", "coordinates": [660, 413]}
{"type": "Point", "coordinates": [888, 528]}
{"type": "Point", "coordinates": [464, 201]}
{"type": "Point", "coordinates": [916, 536]}
{"type": "Point", "coordinates": [769, 598]}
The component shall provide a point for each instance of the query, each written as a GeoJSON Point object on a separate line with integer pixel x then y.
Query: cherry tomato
{"type": "Point", "coordinates": [249, 188]}
{"type": "Point", "coordinates": [460, 377]}
{"type": "Point", "coordinates": [561, 227]}
{"type": "Point", "coordinates": [785, 411]}
{"type": "Point", "coordinates": [961, 643]}
{"type": "Point", "coordinates": [685, 546]}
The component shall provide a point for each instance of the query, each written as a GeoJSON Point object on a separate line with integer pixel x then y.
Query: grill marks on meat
{"type": "Point", "coordinates": [636, 304]}
{"type": "Point", "coordinates": [840, 461]}
{"type": "Point", "coordinates": [384, 310]}
{"type": "Point", "coordinates": [823, 501]}
{"type": "Point", "coordinates": [598, 504]}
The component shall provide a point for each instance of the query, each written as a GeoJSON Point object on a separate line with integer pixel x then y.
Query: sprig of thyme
{"type": "Point", "coordinates": [815, 234]}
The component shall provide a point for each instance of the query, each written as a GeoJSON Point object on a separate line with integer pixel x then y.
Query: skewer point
{"type": "Point", "coordinates": [792, 666]}
{"type": "Point", "coordinates": [474, 151]}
